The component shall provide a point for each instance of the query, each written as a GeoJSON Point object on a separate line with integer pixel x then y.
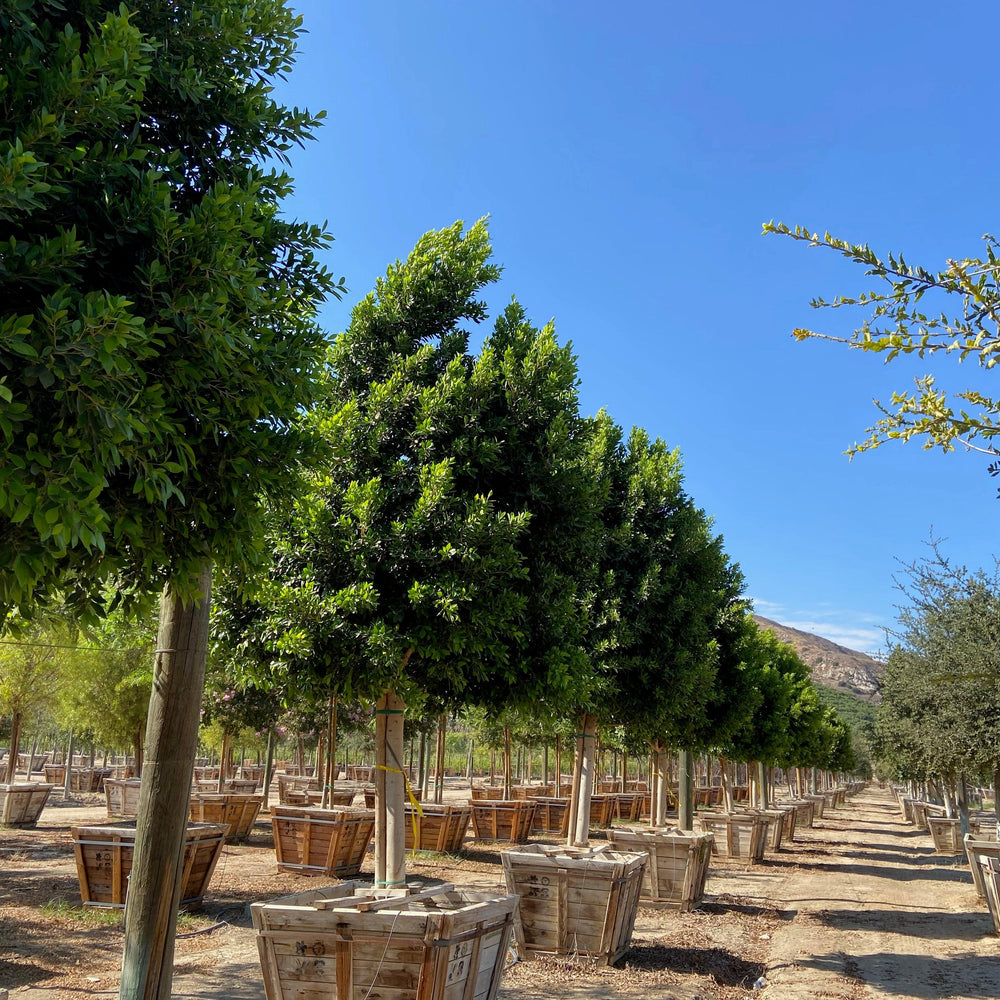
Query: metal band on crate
{"type": "Point", "coordinates": [389, 885]}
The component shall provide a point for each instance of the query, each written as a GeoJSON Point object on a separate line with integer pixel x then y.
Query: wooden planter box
{"type": "Point", "coordinates": [122, 797]}
{"type": "Point", "coordinates": [677, 867]}
{"type": "Point", "coordinates": [551, 815]}
{"type": "Point", "coordinates": [441, 828]}
{"type": "Point", "coordinates": [529, 791]}
{"type": "Point", "coordinates": [819, 804]}
{"type": "Point", "coordinates": [493, 792]}
{"type": "Point", "coordinates": [339, 798]}
{"type": "Point", "coordinates": [206, 773]}
{"type": "Point", "coordinates": [361, 773]}
{"type": "Point", "coordinates": [738, 836]}
{"type": "Point", "coordinates": [370, 796]}
{"type": "Point", "coordinates": [947, 834]}
{"type": "Point", "coordinates": [984, 860]}
{"type": "Point", "coordinates": [254, 773]}
{"type": "Point", "coordinates": [312, 841]}
{"type": "Point", "coordinates": [238, 812]}
{"type": "Point", "coordinates": [346, 942]}
{"type": "Point", "coordinates": [602, 810]}
{"type": "Point", "coordinates": [294, 783]}
{"type": "Point", "coordinates": [805, 811]}
{"type": "Point", "coordinates": [503, 819]}
{"type": "Point", "coordinates": [776, 825]}
{"type": "Point", "coordinates": [88, 779]}
{"type": "Point", "coordinates": [55, 774]}
{"type": "Point", "coordinates": [978, 853]}
{"type": "Point", "coordinates": [628, 806]}
{"type": "Point", "coordinates": [21, 802]}
{"type": "Point", "coordinates": [575, 901]}
{"type": "Point", "coordinates": [104, 861]}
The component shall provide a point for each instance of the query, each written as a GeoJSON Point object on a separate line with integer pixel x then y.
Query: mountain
{"type": "Point", "coordinates": [833, 666]}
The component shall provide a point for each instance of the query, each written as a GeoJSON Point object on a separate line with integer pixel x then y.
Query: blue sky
{"type": "Point", "coordinates": [627, 155]}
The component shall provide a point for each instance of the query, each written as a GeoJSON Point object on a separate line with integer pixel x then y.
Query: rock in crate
{"type": "Point", "coordinates": [575, 901]}
{"type": "Point", "coordinates": [348, 941]}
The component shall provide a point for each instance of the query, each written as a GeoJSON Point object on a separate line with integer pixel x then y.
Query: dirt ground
{"type": "Point", "coordinates": [857, 907]}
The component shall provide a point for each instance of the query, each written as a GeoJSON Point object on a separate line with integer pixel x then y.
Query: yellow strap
{"type": "Point", "coordinates": [413, 800]}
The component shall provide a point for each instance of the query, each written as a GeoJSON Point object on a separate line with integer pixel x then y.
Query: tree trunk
{"type": "Point", "coordinates": [762, 789]}
{"type": "Point", "coordinates": [506, 762]}
{"type": "Point", "coordinates": [223, 762]}
{"type": "Point", "coordinates": [69, 764]}
{"type": "Point", "coordinates": [442, 734]}
{"type": "Point", "coordinates": [557, 785]}
{"type": "Point", "coordinates": [662, 787]}
{"type": "Point", "coordinates": [330, 764]}
{"type": "Point", "coordinates": [422, 763]}
{"type": "Point", "coordinates": [15, 747]}
{"type": "Point", "coordinates": [390, 798]}
{"type": "Point", "coordinates": [727, 787]}
{"type": "Point", "coordinates": [268, 768]}
{"type": "Point", "coordinates": [171, 740]}
{"type": "Point", "coordinates": [583, 781]}
{"type": "Point", "coordinates": [685, 797]}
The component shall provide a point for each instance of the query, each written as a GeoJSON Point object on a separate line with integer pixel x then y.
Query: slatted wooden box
{"type": "Point", "coordinates": [314, 797]}
{"type": "Point", "coordinates": [104, 861]}
{"type": "Point", "coordinates": [529, 791]}
{"type": "Point", "coordinates": [370, 796]}
{"type": "Point", "coordinates": [440, 828]}
{"type": "Point", "coordinates": [602, 809]}
{"type": "Point", "coordinates": [946, 833]}
{"type": "Point", "coordinates": [21, 802]}
{"type": "Point", "coordinates": [121, 796]}
{"type": "Point", "coordinates": [88, 779]}
{"type": "Point", "coordinates": [738, 836]}
{"type": "Point", "coordinates": [311, 841]}
{"type": "Point", "coordinates": [576, 902]}
{"type": "Point", "coordinates": [628, 806]}
{"type": "Point", "coordinates": [238, 812]}
{"type": "Point", "coordinates": [502, 819]}
{"type": "Point", "coordinates": [805, 812]}
{"type": "Point", "coordinates": [55, 773]}
{"type": "Point", "coordinates": [819, 804]}
{"type": "Point", "coordinates": [492, 792]}
{"type": "Point", "coordinates": [678, 863]}
{"type": "Point", "coordinates": [294, 783]}
{"type": "Point", "coordinates": [551, 815]}
{"type": "Point", "coordinates": [346, 943]}
{"type": "Point", "coordinates": [977, 849]}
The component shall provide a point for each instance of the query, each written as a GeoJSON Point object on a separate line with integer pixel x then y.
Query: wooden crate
{"type": "Point", "coordinates": [122, 797]}
{"type": "Point", "coordinates": [738, 836]}
{"type": "Point", "coordinates": [576, 902]}
{"type": "Point", "coordinates": [312, 841]}
{"type": "Point", "coordinates": [502, 819]}
{"type": "Point", "coordinates": [819, 804]}
{"type": "Point", "coordinates": [776, 825]}
{"type": "Point", "coordinates": [551, 815]}
{"type": "Point", "coordinates": [88, 779]}
{"type": "Point", "coordinates": [253, 772]}
{"type": "Point", "coordinates": [977, 849]}
{"type": "Point", "coordinates": [55, 774]}
{"type": "Point", "coordinates": [628, 806]}
{"type": "Point", "coordinates": [104, 861]}
{"type": "Point", "coordinates": [361, 773]}
{"type": "Point", "coordinates": [347, 942]}
{"type": "Point", "coordinates": [493, 792]}
{"type": "Point", "coordinates": [21, 802]}
{"type": "Point", "coordinates": [529, 791]}
{"type": "Point", "coordinates": [678, 863]}
{"type": "Point", "coordinates": [237, 811]}
{"type": "Point", "coordinates": [602, 810]}
{"type": "Point", "coordinates": [805, 811]}
{"type": "Point", "coordinates": [946, 833]}
{"type": "Point", "coordinates": [294, 783]}
{"type": "Point", "coordinates": [440, 828]}
{"type": "Point", "coordinates": [370, 796]}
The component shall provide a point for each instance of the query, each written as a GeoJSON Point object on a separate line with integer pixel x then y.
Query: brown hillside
{"type": "Point", "coordinates": [832, 665]}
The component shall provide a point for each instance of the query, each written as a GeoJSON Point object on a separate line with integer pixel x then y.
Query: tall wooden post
{"type": "Point", "coordinates": [171, 740]}
{"type": "Point", "coordinates": [685, 790]}
{"type": "Point", "coordinates": [390, 798]}
{"type": "Point", "coordinates": [439, 768]}
{"type": "Point", "coordinates": [583, 780]}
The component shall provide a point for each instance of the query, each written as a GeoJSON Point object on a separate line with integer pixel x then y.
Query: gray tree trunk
{"type": "Point", "coordinates": [685, 790]}
{"type": "Point", "coordinates": [171, 740]}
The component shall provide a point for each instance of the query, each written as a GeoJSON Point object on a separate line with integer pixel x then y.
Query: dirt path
{"type": "Point", "coordinates": [858, 907]}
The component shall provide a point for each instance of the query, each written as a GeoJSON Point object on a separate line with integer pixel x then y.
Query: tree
{"type": "Point", "coordinates": [157, 341]}
{"type": "Point", "coordinates": [900, 323]}
{"type": "Point", "coordinates": [940, 709]}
